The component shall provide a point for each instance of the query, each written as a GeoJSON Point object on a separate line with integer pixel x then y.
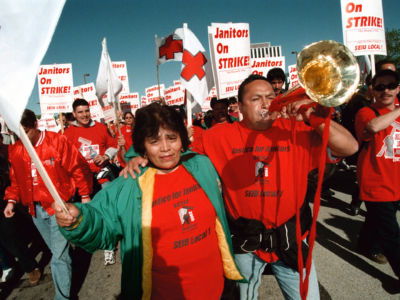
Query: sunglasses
{"type": "Point", "coordinates": [382, 87]}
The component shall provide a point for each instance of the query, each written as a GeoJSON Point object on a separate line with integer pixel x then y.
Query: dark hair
{"type": "Point", "coordinates": [79, 102]}
{"type": "Point", "coordinates": [28, 119]}
{"type": "Point", "coordinates": [128, 112]}
{"type": "Point", "coordinates": [215, 101]}
{"type": "Point", "coordinates": [276, 73]}
{"type": "Point", "coordinates": [69, 117]}
{"type": "Point", "coordinates": [245, 82]}
{"type": "Point", "coordinates": [151, 118]}
{"type": "Point", "coordinates": [379, 64]}
{"type": "Point", "coordinates": [383, 73]}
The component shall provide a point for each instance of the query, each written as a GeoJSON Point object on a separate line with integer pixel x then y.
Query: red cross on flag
{"type": "Point", "coordinates": [169, 48]}
{"type": "Point", "coordinates": [196, 72]}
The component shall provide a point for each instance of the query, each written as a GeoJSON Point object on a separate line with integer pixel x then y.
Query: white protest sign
{"type": "Point", "coordinates": [363, 28]}
{"type": "Point", "coordinates": [293, 77]}
{"type": "Point", "coordinates": [132, 99]}
{"type": "Point", "coordinates": [122, 73]}
{"type": "Point", "coordinates": [47, 122]}
{"type": "Point", "coordinates": [88, 92]}
{"type": "Point", "coordinates": [262, 65]}
{"type": "Point", "coordinates": [230, 53]}
{"type": "Point", "coordinates": [55, 88]}
{"type": "Point", "coordinates": [152, 94]}
{"type": "Point", "coordinates": [143, 101]}
{"type": "Point", "coordinates": [174, 95]}
{"type": "Point", "coordinates": [109, 113]}
{"type": "Point", "coordinates": [206, 105]}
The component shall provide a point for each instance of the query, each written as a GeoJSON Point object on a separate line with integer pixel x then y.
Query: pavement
{"type": "Point", "coordinates": [342, 272]}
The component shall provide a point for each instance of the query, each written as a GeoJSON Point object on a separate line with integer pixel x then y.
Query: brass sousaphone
{"type": "Point", "coordinates": [328, 73]}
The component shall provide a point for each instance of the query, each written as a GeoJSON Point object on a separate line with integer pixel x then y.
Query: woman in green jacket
{"type": "Point", "coordinates": [170, 221]}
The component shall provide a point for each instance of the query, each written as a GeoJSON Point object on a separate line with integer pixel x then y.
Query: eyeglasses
{"type": "Point", "coordinates": [381, 87]}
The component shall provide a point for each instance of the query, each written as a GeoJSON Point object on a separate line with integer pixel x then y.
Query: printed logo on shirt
{"type": "Point", "coordinates": [391, 144]}
{"type": "Point", "coordinates": [89, 152]}
{"type": "Point", "coordinates": [261, 172]}
{"type": "Point", "coordinates": [34, 174]}
{"type": "Point", "coordinates": [49, 162]}
{"type": "Point", "coordinates": [187, 218]}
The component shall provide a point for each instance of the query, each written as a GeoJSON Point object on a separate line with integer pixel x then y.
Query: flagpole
{"type": "Point", "coordinates": [188, 108]}
{"type": "Point", "coordinates": [373, 65]}
{"type": "Point", "coordinates": [115, 102]}
{"type": "Point", "coordinates": [158, 73]}
{"type": "Point", "coordinates": [42, 171]}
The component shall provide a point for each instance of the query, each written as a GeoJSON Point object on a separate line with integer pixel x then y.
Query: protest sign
{"type": "Point", "coordinates": [132, 100]}
{"type": "Point", "coordinates": [109, 113]}
{"type": "Point", "coordinates": [88, 92]}
{"type": "Point", "coordinates": [206, 105]}
{"type": "Point", "coordinates": [143, 101]}
{"type": "Point", "coordinates": [293, 77]}
{"type": "Point", "coordinates": [47, 122]}
{"type": "Point", "coordinates": [121, 71]}
{"type": "Point", "coordinates": [230, 53]}
{"type": "Point", "coordinates": [363, 27]}
{"type": "Point", "coordinates": [174, 95]}
{"type": "Point", "coordinates": [152, 94]}
{"type": "Point", "coordinates": [262, 65]}
{"type": "Point", "coordinates": [55, 88]}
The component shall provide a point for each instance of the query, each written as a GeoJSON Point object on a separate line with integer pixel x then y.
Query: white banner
{"type": "Point", "coordinates": [175, 95]}
{"type": "Point", "coordinates": [26, 29]}
{"type": "Point", "coordinates": [121, 71]}
{"type": "Point", "coordinates": [88, 92]}
{"type": "Point", "coordinates": [293, 77]}
{"type": "Point", "coordinates": [363, 27]}
{"type": "Point", "coordinates": [261, 66]}
{"type": "Point", "coordinates": [230, 53]}
{"type": "Point", "coordinates": [55, 86]}
{"type": "Point", "coordinates": [152, 93]}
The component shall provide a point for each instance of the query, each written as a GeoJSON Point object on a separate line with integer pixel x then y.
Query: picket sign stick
{"type": "Point", "coordinates": [188, 108]}
{"type": "Point", "coordinates": [42, 171]}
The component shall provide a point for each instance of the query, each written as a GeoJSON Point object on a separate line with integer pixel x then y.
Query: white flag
{"type": "Point", "coordinates": [107, 81]}
{"type": "Point", "coordinates": [26, 29]}
{"type": "Point", "coordinates": [169, 48]}
{"type": "Point", "coordinates": [196, 72]}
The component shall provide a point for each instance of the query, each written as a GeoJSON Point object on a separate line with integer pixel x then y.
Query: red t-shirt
{"type": "Point", "coordinates": [378, 167]}
{"type": "Point", "coordinates": [186, 259]}
{"type": "Point", "coordinates": [91, 141]}
{"type": "Point", "coordinates": [264, 173]}
{"type": "Point", "coordinates": [126, 131]}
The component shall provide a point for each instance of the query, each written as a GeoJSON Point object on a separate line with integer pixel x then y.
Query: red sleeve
{"type": "Point", "coordinates": [76, 165]}
{"type": "Point", "coordinates": [363, 117]}
{"type": "Point", "coordinates": [198, 142]}
{"type": "Point", "coordinates": [12, 192]}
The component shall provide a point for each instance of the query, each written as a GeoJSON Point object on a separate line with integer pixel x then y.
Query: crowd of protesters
{"type": "Point", "coordinates": [207, 206]}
